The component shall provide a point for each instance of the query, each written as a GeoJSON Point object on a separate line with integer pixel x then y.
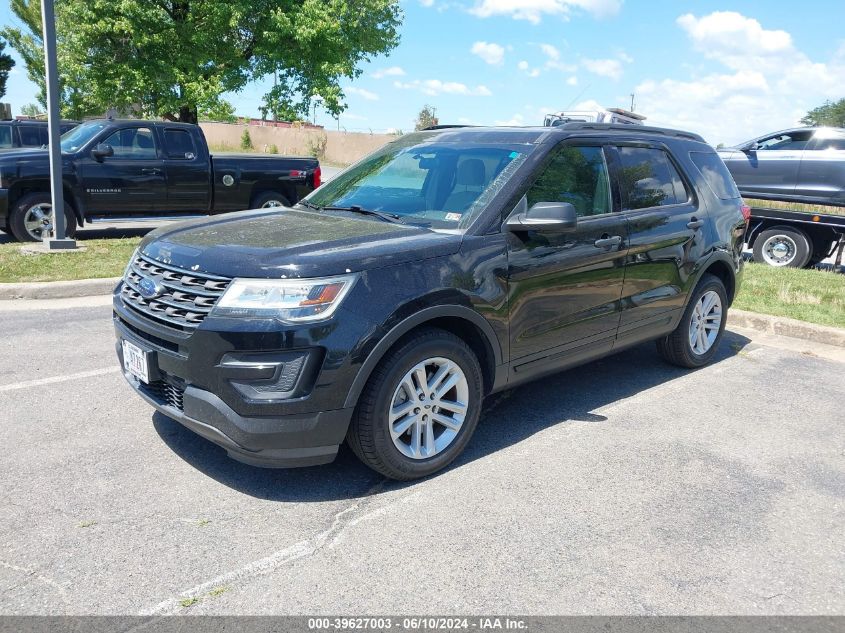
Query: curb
{"type": "Point", "coordinates": [783, 326]}
{"type": "Point", "coordinates": [58, 289]}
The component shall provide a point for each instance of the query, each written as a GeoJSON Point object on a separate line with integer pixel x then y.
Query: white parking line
{"type": "Point", "coordinates": [54, 379]}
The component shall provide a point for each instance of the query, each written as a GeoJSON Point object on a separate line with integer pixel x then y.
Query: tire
{"type": "Point", "coordinates": [269, 200]}
{"type": "Point", "coordinates": [388, 447]}
{"type": "Point", "coordinates": [24, 217]}
{"type": "Point", "coordinates": [783, 246]}
{"type": "Point", "coordinates": [679, 347]}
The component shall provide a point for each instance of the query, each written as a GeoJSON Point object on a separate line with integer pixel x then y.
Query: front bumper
{"type": "Point", "coordinates": [193, 383]}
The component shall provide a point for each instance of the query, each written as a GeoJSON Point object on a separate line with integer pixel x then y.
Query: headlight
{"type": "Point", "coordinates": [294, 300]}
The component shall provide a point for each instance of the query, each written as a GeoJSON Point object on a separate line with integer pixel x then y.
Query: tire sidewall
{"type": "Point", "coordinates": [17, 226]}
{"type": "Point", "coordinates": [706, 285]}
{"type": "Point", "coordinates": [267, 196]}
{"type": "Point", "coordinates": [406, 358]}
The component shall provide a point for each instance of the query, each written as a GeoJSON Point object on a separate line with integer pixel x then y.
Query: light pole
{"type": "Point", "coordinates": [57, 241]}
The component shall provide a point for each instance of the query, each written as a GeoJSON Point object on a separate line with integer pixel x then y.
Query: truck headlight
{"type": "Point", "coordinates": [296, 300]}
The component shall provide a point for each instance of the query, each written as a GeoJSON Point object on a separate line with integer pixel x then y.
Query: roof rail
{"type": "Point", "coordinates": [633, 129]}
{"type": "Point", "coordinates": [444, 127]}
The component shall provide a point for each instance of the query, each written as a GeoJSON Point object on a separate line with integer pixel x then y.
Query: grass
{"type": "Point", "coordinates": [799, 207]}
{"type": "Point", "coordinates": [101, 258]}
{"type": "Point", "coordinates": [816, 296]}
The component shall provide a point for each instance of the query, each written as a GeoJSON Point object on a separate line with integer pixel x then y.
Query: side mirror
{"type": "Point", "coordinates": [751, 147]}
{"type": "Point", "coordinates": [102, 151]}
{"type": "Point", "coordinates": [545, 217]}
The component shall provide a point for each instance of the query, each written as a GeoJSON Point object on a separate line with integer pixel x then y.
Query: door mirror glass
{"type": "Point", "coordinates": [545, 217]}
{"type": "Point", "coordinates": [101, 151]}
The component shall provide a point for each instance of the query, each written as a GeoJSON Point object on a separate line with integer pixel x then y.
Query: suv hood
{"type": "Point", "coordinates": [293, 243]}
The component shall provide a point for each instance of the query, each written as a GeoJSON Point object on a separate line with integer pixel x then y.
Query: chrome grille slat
{"type": "Point", "coordinates": [186, 300]}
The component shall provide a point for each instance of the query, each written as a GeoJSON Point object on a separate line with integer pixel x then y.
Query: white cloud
{"type": "Point", "coordinates": [427, 3]}
{"type": "Point", "coordinates": [610, 68]}
{"type": "Point", "coordinates": [765, 83]}
{"type": "Point", "coordinates": [392, 71]}
{"type": "Point", "coordinates": [550, 51]}
{"type": "Point", "coordinates": [534, 10]}
{"type": "Point", "coordinates": [516, 119]}
{"type": "Point", "coordinates": [526, 68]}
{"type": "Point", "coordinates": [491, 53]}
{"type": "Point", "coordinates": [361, 92]}
{"type": "Point", "coordinates": [572, 81]}
{"type": "Point", "coordinates": [435, 87]}
{"type": "Point", "coordinates": [553, 60]}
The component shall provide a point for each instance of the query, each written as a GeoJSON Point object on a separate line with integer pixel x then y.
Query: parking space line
{"type": "Point", "coordinates": [54, 379]}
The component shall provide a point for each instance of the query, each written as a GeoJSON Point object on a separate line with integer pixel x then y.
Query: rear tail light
{"type": "Point", "coordinates": [318, 175]}
{"type": "Point", "coordinates": [746, 211]}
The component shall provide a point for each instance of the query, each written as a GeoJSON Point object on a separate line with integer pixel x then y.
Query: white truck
{"type": "Point", "coordinates": [609, 115]}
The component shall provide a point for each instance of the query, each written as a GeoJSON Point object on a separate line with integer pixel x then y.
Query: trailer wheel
{"type": "Point", "coordinates": [782, 246]}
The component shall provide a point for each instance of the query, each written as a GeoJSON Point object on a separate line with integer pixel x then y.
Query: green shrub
{"type": "Point", "coordinates": [246, 139]}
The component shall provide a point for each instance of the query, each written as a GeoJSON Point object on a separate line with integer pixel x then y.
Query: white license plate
{"type": "Point", "coordinates": [135, 361]}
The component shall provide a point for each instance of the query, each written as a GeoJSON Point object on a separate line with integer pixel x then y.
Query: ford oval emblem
{"type": "Point", "coordinates": [149, 288]}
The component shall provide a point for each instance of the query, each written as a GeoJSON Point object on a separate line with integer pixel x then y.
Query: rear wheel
{"type": "Point", "coordinates": [696, 339]}
{"type": "Point", "coordinates": [419, 408]}
{"type": "Point", "coordinates": [783, 246]}
{"type": "Point", "coordinates": [33, 214]}
{"type": "Point", "coordinates": [269, 200]}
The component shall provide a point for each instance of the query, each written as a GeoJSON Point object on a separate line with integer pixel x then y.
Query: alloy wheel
{"type": "Point", "coordinates": [705, 322]}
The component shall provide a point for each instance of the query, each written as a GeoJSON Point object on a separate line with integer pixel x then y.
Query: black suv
{"type": "Point", "coordinates": [448, 265]}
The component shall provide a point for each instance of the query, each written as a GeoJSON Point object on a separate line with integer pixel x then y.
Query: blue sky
{"type": "Point", "coordinates": [730, 70]}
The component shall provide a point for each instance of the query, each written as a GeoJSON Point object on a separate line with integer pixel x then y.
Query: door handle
{"type": "Point", "coordinates": [153, 171]}
{"type": "Point", "coordinates": [695, 224]}
{"type": "Point", "coordinates": [608, 242]}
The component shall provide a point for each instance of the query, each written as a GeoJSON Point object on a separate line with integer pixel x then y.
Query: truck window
{"type": "Point", "coordinates": [577, 175]}
{"type": "Point", "coordinates": [5, 136]}
{"type": "Point", "coordinates": [179, 144]}
{"type": "Point", "coordinates": [648, 179]}
{"type": "Point", "coordinates": [715, 173]}
{"type": "Point", "coordinates": [786, 141]}
{"type": "Point", "coordinates": [136, 143]}
{"type": "Point", "coordinates": [29, 136]}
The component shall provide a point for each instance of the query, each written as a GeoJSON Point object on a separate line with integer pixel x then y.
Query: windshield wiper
{"type": "Point", "coordinates": [387, 217]}
{"type": "Point", "coordinates": [309, 205]}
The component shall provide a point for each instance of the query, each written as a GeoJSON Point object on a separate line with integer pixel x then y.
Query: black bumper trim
{"type": "Point", "coordinates": [284, 442]}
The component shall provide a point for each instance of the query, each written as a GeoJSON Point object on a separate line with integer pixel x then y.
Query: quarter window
{"type": "Point", "coordinates": [715, 174]}
{"type": "Point", "coordinates": [577, 175]}
{"type": "Point", "coordinates": [133, 142]}
{"type": "Point", "coordinates": [30, 136]}
{"type": "Point", "coordinates": [5, 136]}
{"type": "Point", "coordinates": [649, 179]}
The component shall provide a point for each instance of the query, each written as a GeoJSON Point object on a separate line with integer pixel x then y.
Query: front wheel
{"type": "Point", "coordinates": [696, 339]}
{"type": "Point", "coordinates": [33, 214]}
{"type": "Point", "coordinates": [419, 408]}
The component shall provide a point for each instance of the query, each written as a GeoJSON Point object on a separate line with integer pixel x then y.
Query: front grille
{"type": "Point", "coordinates": [187, 298]}
{"type": "Point", "coordinates": [164, 393]}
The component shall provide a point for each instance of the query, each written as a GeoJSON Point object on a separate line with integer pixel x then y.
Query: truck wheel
{"type": "Point", "coordinates": [419, 408]}
{"type": "Point", "coordinates": [696, 339]}
{"type": "Point", "coordinates": [782, 246]}
{"type": "Point", "coordinates": [269, 200]}
{"type": "Point", "coordinates": [33, 213]}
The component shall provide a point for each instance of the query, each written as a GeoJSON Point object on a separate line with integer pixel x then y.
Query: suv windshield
{"type": "Point", "coordinates": [80, 135]}
{"type": "Point", "coordinates": [439, 185]}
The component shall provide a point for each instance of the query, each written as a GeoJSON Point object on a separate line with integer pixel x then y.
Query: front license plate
{"type": "Point", "coordinates": [135, 361]}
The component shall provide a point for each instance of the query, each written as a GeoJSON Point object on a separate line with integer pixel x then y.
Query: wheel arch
{"type": "Point", "coordinates": [26, 187]}
{"type": "Point", "coordinates": [722, 268]}
{"type": "Point", "coordinates": [459, 320]}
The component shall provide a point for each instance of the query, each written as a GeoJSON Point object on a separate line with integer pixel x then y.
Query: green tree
{"type": "Point", "coordinates": [174, 58]}
{"type": "Point", "coordinates": [6, 65]}
{"type": "Point", "coordinates": [221, 111]}
{"type": "Point", "coordinates": [426, 118]}
{"type": "Point", "coordinates": [31, 109]}
{"type": "Point", "coordinates": [831, 113]}
{"type": "Point", "coordinates": [246, 139]}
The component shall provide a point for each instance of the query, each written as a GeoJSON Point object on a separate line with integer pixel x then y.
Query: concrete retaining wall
{"type": "Point", "coordinates": [342, 148]}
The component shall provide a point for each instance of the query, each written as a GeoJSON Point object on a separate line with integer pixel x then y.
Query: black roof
{"type": "Point", "coordinates": [542, 134]}
{"type": "Point", "coordinates": [26, 122]}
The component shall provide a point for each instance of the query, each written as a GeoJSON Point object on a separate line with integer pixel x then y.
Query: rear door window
{"type": "Point", "coordinates": [649, 179]}
{"type": "Point", "coordinates": [179, 144]}
{"type": "Point", "coordinates": [30, 136]}
{"type": "Point", "coordinates": [716, 175]}
{"type": "Point", "coordinates": [5, 136]}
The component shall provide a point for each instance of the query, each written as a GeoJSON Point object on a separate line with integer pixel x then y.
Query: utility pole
{"type": "Point", "coordinates": [57, 241]}
{"type": "Point", "coordinates": [632, 102]}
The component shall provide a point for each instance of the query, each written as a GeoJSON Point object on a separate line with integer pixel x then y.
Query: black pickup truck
{"type": "Point", "coordinates": [133, 168]}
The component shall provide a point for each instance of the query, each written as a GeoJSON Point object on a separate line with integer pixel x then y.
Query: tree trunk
{"type": "Point", "coordinates": [187, 114]}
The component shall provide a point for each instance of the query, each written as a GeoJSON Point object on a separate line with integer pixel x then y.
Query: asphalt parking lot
{"type": "Point", "coordinates": [624, 487]}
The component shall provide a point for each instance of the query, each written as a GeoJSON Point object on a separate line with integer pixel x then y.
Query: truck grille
{"type": "Point", "coordinates": [187, 297]}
